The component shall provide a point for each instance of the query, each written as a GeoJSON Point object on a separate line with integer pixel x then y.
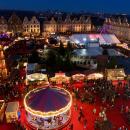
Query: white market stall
{"type": "Point", "coordinates": [12, 111]}
{"type": "Point", "coordinates": [115, 74]}
{"type": "Point", "coordinates": [60, 78]}
{"type": "Point", "coordinates": [94, 76]}
{"type": "Point", "coordinates": [37, 77]}
{"type": "Point", "coordinates": [78, 77]}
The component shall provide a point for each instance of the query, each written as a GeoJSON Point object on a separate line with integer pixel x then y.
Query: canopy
{"type": "Point", "coordinates": [12, 107]}
{"type": "Point", "coordinates": [95, 76]}
{"type": "Point", "coordinates": [37, 77]}
{"type": "Point", "coordinates": [60, 77]}
{"type": "Point", "coordinates": [92, 38]}
{"type": "Point", "coordinates": [78, 77]}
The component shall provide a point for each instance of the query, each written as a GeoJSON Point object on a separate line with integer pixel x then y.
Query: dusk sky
{"type": "Point", "coordinates": [110, 6]}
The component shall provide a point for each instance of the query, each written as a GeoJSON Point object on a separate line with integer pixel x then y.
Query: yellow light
{"type": "Point", "coordinates": [51, 113]}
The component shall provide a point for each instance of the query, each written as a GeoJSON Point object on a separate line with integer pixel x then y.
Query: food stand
{"type": "Point", "coordinates": [60, 78]}
{"type": "Point", "coordinates": [12, 112]}
{"type": "Point", "coordinates": [78, 77]}
{"type": "Point", "coordinates": [115, 74]}
{"type": "Point", "coordinates": [37, 77]}
{"type": "Point", "coordinates": [94, 76]}
{"type": "Point", "coordinates": [2, 108]}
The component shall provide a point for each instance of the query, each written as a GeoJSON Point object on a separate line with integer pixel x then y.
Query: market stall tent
{"type": "Point", "coordinates": [60, 78]}
{"type": "Point", "coordinates": [37, 77]}
{"type": "Point", "coordinates": [12, 111]}
{"type": "Point", "coordinates": [94, 76]}
{"type": "Point", "coordinates": [115, 74]}
{"type": "Point", "coordinates": [78, 77]}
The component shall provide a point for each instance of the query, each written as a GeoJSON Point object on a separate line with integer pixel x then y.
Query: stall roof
{"type": "Point", "coordinates": [12, 107]}
{"type": "Point", "coordinates": [115, 74]}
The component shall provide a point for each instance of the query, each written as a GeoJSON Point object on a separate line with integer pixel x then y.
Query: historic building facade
{"type": "Point", "coordinates": [31, 27]}
{"type": "Point", "coordinates": [120, 27]}
{"type": "Point", "coordinates": [72, 25]}
{"type": "Point", "coordinates": [3, 25]}
{"type": "Point", "coordinates": [15, 24]}
{"type": "Point", "coordinates": [68, 24]}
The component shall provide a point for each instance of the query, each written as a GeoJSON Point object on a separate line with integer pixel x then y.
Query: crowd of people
{"type": "Point", "coordinates": [92, 89]}
{"type": "Point", "coordinates": [107, 93]}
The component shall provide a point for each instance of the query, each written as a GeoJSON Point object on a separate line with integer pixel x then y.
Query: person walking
{"type": "Point", "coordinates": [85, 123]}
{"type": "Point", "coordinates": [94, 111]}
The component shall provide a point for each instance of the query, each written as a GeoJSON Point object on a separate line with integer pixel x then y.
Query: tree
{"type": "Point", "coordinates": [112, 63]}
{"type": "Point", "coordinates": [105, 52]}
{"type": "Point", "coordinates": [69, 46]}
{"type": "Point", "coordinates": [34, 57]}
{"type": "Point", "coordinates": [51, 58]}
{"type": "Point", "coordinates": [53, 41]}
{"type": "Point", "coordinates": [61, 49]}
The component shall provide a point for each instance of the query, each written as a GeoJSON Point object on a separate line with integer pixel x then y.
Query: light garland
{"type": "Point", "coordinates": [51, 113]}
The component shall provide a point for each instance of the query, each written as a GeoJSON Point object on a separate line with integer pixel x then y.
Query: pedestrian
{"type": "Point", "coordinates": [76, 106]}
{"type": "Point", "coordinates": [85, 123]}
{"type": "Point", "coordinates": [94, 111]}
{"type": "Point", "coordinates": [122, 108]}
{"type": "Point", "coordinates": [119, 128]}
{"type": "Point", "coordinates": [71, 127]}
{"type": "Point", "coordinates": [79, 118]}
{"type": "Point", "coordinates": [126, 109]}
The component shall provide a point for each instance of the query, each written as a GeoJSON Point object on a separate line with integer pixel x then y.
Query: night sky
{"type": "Point", "coordinates": [110, 6]}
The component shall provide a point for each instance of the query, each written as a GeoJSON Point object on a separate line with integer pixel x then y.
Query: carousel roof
{"type": "Point", "coordinates": [46, 100]}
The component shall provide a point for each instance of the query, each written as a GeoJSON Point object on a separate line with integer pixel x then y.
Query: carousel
{"type": "Point", "coordinates": [48, 108]}
{"type": "Point", "coordinates": [94, 76]}
{"type": "Point", "coordinates": [60, 78]}
{"type": "Point", "coordinates": [38, 77]}
{"type": "Point", "coordinates": [78, 77]}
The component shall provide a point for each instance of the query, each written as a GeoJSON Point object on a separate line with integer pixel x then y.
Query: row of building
{"type": "Point", "coordinates": [15, 25]}
{"type": "Point", "coordinates": [50, 25]}
{"type": "Point", "coordinates": [119, 26]}
{"type": "Point", "coordinates": [63, 24]}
